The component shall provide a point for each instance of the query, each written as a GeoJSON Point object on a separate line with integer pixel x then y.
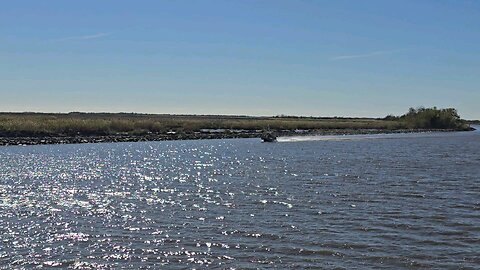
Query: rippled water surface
{"type": "Point", "coordinates": [382, 202]}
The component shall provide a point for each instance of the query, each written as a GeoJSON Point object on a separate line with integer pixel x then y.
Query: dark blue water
{"type": "Point", "coordinates": [381, 202]}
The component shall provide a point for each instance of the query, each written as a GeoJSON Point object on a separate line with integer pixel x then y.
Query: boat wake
{"type": "Point", "coordinates": [359, 137]}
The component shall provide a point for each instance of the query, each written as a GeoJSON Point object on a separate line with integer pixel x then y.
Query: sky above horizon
{"type": "Point", "coordinates": [312, 58]}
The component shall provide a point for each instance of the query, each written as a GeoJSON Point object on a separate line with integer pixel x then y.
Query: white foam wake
{"type": "Point", "coordinates": [357, 137]}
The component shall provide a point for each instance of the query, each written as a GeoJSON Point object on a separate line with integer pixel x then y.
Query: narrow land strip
{"type": "Point", "coordinates": [42, 128]}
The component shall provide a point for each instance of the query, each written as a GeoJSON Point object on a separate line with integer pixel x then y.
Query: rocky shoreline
{"type": "Point", "coordinates": [112, 138]}
{"type": "Point", "coordinates": [214, 134]}
{"type": "Point", "coordinates": [4, 141]}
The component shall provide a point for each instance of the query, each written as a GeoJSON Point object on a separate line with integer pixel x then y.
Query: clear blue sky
{"type": "Point", "coordinates": [321, 58]}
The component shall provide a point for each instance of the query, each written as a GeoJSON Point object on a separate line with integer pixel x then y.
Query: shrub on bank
{"type": "Point", "coordinates": [433, 118]}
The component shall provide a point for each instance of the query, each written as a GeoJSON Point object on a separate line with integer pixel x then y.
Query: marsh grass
{"type": "Point", "coordinates": [98, 124]}
{"type": "Point", "coordinates": [34, 124]}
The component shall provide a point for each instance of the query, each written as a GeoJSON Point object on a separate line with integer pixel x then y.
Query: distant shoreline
{"type": "Point", "coordinates": [71, 128]}
{"type": "Point", "coordinates": [47, 140]}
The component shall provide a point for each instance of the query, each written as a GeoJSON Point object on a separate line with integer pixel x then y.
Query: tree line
{"type": "Point", "coordinates": [431, 118]}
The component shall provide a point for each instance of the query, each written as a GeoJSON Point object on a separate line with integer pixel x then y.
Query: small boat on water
{"type": "Point", "coordinates": [268, 136]}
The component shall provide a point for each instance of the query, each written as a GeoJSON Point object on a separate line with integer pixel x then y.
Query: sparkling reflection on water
{"type": "Point", "coordinates": [390, 202]}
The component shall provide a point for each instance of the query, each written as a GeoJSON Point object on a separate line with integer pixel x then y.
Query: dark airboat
{"type": "Point", "coordinates": [268, 136]}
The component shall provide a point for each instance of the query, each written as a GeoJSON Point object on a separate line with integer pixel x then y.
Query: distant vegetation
{"type": "Point", "coordinates": [85, 124]}
{"type": "Point", "coordinates": [474, 122]}
{"type": "Point", "coordinates": [99, 124]}
{"type": "Point", "coordinates": [431, 118]}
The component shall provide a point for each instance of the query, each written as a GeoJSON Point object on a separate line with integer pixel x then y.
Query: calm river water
{"type": "Point", "coordinates": [343, 202]}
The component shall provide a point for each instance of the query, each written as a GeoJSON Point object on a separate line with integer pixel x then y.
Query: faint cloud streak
{"type": "Point", "coordinates": [364, 55]}
{"type": "Point", "coordinates": [86, 37]}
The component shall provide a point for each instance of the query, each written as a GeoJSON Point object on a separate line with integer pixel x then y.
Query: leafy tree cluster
{"type": "Point", "coordinates": [432, 118]}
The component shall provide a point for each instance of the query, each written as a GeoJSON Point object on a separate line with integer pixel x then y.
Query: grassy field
{"type": "Point", "coordinates": [35, 124]}
{"type": "Point", "coordinates": [99, 124]}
